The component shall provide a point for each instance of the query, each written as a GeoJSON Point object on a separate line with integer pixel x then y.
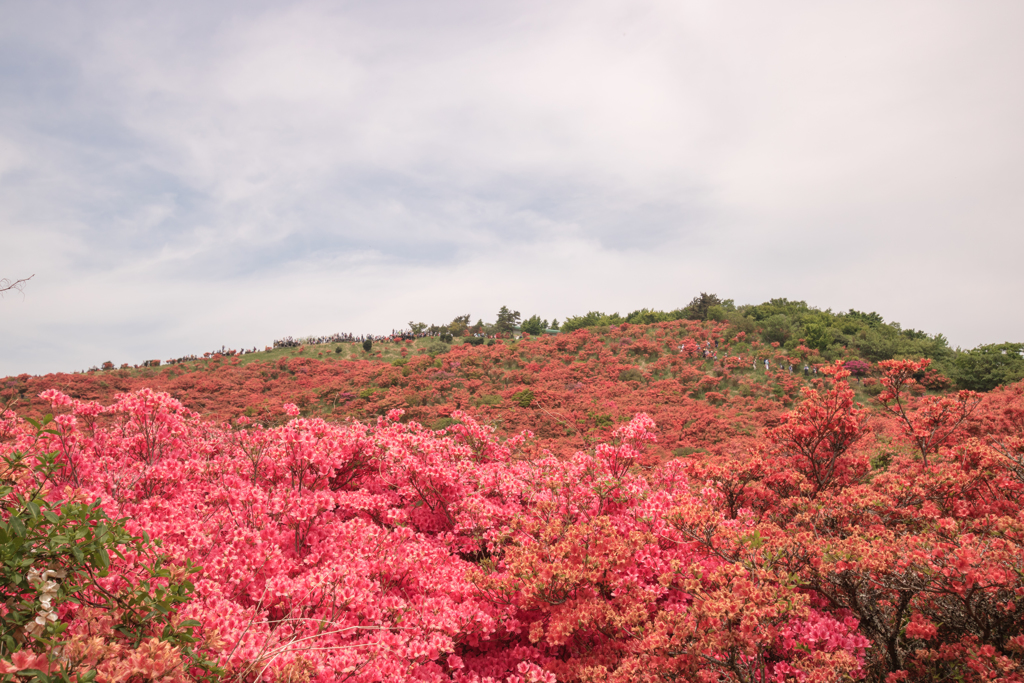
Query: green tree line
{"type": "Point", "coordinates": [832, 335]}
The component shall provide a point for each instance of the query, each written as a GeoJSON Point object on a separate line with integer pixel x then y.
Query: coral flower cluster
{"type": "Point", "coordinates": [831, 546]}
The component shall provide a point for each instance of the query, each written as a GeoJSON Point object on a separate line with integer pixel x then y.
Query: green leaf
{"type": "Point", "coordinates": [101, 558]}
{"type": "Point", "coordinates": [754, 540]}
{"type": "Point", "coordinates": [17, 526]}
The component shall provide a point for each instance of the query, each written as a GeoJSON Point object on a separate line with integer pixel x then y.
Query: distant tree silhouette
{"type": "Point", "coordinates": [534, 325]}
{"type": "Point", "coordinates": [459, 325]}
{"type": "Point", "coordinates": [700, 305]}
{"type": "Point", "coordinates": [507, 320]}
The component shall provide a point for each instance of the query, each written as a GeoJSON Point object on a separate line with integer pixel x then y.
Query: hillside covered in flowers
{"type": "Point", "coordinates": [680, 500]}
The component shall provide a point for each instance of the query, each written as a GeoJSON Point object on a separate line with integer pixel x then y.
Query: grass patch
{"type": "Point", "coordinates": [443, 423]}
{"type": "Point", "coordinates": [334, 352]}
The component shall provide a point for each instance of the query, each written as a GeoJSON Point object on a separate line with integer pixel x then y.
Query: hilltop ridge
{"type": "Point", "coordinates": [797, 329]}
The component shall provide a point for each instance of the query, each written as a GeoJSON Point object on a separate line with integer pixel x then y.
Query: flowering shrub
{"type": "Point", "coordinates": [665, 370]}
{"type": "Point", "coordinates": [787, 548]}
{"type": "Point", "coordinates": [857, 367]}
{"type": "Point", "coordinates": [56, 584]}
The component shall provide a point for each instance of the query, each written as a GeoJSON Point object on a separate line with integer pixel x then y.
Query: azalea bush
{"type": "Point", "coordinates": [857, 367]}
{"type": "Point", "coordinates": [384, 550]}
{"type": "Point", "coordinates": [64, 615]}
{"type": "Point", "coordinates": [584, 385]}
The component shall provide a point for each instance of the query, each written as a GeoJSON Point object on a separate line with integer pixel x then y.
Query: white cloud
{"type": "Point", "coordinates": [187, 175]}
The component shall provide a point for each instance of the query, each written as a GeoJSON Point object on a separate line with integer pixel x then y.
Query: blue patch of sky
{"type": "Point", "coordinates": [30, 76]}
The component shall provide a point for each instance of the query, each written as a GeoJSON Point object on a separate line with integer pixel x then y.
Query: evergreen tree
{"type": "Point", "coordinates": [507, 320]}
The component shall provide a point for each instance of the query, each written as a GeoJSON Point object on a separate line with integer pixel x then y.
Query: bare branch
{"type": "Point", "coordinates": [7, 285]}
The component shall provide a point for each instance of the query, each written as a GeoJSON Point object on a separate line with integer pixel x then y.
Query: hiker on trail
{"type": "Point", "coordinates": [766, 366]}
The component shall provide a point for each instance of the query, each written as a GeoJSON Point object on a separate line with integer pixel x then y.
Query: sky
{"type": "Point", "coordinates": [184, 176]}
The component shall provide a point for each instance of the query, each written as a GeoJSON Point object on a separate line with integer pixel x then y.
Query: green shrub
{"type": "Point", "coordinates": [777, 328]}
{"type": "Point", "coordinates": [533, 325]}
{"type": "Point", "coordinates": [443, 423]}
{"type": "Point", "coordinates": [986, 367]}
{"type": "Point", "coordinates": [591, 319]}
{"type": "Point", "coordinates": [524, 398]}
{"type": "Point", "coordinates": [435, 348]}
{"type": "Point", "coordinates": [631, 375]}
{"type": "Point", "coordinates": [872, 388]}
{"type": "Point", "coordinates": [646, 316]}
{"type": "Point", "coordinates": [881, 459]}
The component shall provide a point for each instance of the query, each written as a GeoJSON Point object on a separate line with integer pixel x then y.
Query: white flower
{"type": "Point", "coordinates": [43, 582]}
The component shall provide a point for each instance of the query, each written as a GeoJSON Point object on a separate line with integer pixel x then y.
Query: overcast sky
{"type": "Point", "coordinates": [185, 175]}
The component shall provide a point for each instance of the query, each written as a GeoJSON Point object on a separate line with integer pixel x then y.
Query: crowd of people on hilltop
{"type": "Point", "coordinates": [349, 338]}
{"type": "Point", "coordinates": [396, 336]}
{"type": "Point", "coordinates": [337, 338]}
{"type": "Point", "coordinates": [223, 351]}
